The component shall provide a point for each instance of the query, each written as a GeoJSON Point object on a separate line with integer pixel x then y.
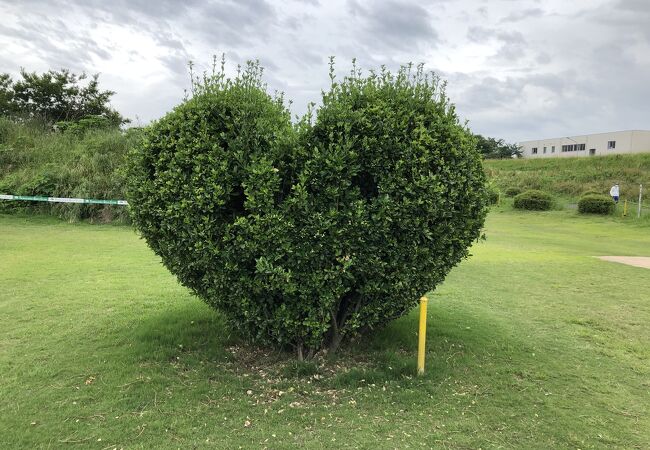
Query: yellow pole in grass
{"type": "Point", "coordinates": [422, 336]}
{"type": "Point", "coordinates": [625, 209]}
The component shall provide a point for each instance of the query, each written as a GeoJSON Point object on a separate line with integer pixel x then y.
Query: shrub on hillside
{"type": "Point", "coordinates": [305, 235]}
{"type": "Point", "coordinates": [493, 195]}
{"type": "Point", "coordinates": [512, 191]}
{"type": "Point", "coordinates": [533, 200]}
{"type": "Point", "coordinates": [85, 124]}
{"type": "Point", "coordinates": [596, 204]}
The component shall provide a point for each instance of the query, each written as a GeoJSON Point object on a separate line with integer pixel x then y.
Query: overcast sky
{"type": "Point", "coordinates": [516, 69]}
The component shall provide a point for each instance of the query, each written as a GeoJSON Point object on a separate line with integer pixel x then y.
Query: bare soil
{"type": "Point", "coordinates": [637, 261]}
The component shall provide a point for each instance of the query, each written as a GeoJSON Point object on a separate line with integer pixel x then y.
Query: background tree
{"type": "Point", "coordinates": [56, 96]}
{"type": "Point", "coordinates": [7, 106]}
{"type": "Point", "coordinates": [492, 148]}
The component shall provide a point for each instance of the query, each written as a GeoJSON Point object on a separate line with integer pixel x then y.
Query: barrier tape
{"type": "Point", "coordinates": [63, 200]}
{"type": "Point", "coordinates": [118, 202]}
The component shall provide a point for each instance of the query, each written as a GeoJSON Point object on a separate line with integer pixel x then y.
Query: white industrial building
{"type": "Point", "coordinates": [616, 142]}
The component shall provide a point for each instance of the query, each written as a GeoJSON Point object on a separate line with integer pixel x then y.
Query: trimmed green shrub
{"type": "Point", "coordinates": [512, 191]}
{"type": "Point", "coordinates": [596, 204]}
{"type": "Point", "coordinates": [533, 200]}
{"type": "Point", "coordinates": [305, 235]}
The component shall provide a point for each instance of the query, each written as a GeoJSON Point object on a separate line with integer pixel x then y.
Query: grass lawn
{"type": "Point", "coordinates": [532, 343]}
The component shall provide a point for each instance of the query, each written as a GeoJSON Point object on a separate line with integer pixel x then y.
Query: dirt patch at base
{"type": "Point", "coordinates": [636, 261]}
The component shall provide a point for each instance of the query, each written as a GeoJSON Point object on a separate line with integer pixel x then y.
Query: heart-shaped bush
{"type": "Point", "coordinates": [305, 234]}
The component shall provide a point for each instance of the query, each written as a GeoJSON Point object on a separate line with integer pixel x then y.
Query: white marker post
{"type": "Point", "coordinates": [638, 210]}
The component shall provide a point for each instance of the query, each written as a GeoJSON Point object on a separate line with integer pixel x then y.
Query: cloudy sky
{"type": "Point", "coordinates": [517, 69]}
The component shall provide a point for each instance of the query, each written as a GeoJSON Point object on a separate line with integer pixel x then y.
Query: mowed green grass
{"type": "Point", "coordinates": [531, 343]}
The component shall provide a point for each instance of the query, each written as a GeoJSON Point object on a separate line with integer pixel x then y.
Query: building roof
{"type": "Point", "coordinates": [581, 135]}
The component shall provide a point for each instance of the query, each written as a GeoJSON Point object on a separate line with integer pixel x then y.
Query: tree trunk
{"type": "Point", "coordinates": [334, 343]}
{"type": "Point", "coordinates": [300, 355]}
{"type": "Point", "coordinates": [349, 305]}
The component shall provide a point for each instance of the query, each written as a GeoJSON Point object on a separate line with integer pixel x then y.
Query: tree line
{"type": "Point", "coordinates": [492, 148]}
{"type": "Point", "coordinates": [57, 97]}
{"type": "Point", "coordinates": [70, 101]}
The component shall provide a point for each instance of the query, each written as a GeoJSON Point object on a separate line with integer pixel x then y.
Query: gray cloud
{"type": "Point", "coordinates": [523, 14]}
{"type": "Point", "coordinates": [481, 34]}
{"type": "Point", "coordinates": [478, 34]}
{"type": "Point", "coordinates": [235, 22]}
{"type": "Point", "coordinates": [516, 70]}
{"type": "Point", "coordinates": [512, 43]}
{"type": "Point", "coordinates": [640, 6]}
{"type": "Point", "coordinates": [394, 24]}
{"type": "Point", "coordinates": [633, 16]}
{"type": "Point", "coordinates": [543, 58]}
{"type": "Point", "coordinates": [53, 41]}
{"type": "Point", "coordinates": [513, 47]}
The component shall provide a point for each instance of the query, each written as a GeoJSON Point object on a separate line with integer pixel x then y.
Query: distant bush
{"type": "Point", "coordinates": [533, 200]}
{"type": "Point", "coordinates": [85, 124]}
{"type": "Point", "coordinates": [512, 191]}
{"type": "Point", "coordinates": [493, 195]}
{"type": "Point", "coordinates": [306, 235]}
{"type": "Point", "coordinates": [596, 204]}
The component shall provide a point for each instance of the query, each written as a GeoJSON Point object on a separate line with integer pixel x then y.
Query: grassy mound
{"type": "Point", "coordinates": [35, 160]}
{"type": "Point", "coordinates": [572, 177]}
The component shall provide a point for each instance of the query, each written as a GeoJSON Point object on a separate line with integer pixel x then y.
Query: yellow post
{"type": "Point", "coordinates": [625, 209]}
{"type": "Point", "coordinates": [422, 336]}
